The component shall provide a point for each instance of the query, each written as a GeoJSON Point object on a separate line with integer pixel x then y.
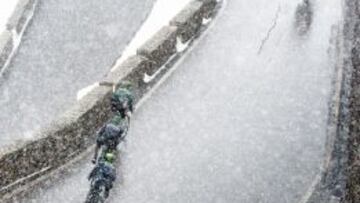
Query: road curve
{"type": "Point", "coordinates": [242, 119]}
{"type": "Point", "coordinates": [68, 46]}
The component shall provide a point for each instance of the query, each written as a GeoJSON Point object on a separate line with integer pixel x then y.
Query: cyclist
{"type": "Point", "coordinates": [109, 136]}
{"type": "Point", "coordinates": [122, 100]}
{"type": "Point", "coordinates": [103, 174]}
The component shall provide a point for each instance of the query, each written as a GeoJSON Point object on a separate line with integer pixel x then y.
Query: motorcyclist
{"type": "Point", "coordinates": [104, 173]}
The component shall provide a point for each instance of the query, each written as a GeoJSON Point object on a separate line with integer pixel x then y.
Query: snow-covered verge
{"type": "Point", "coordinates": [6, 9]}
{"type": "Point", "coordinates": [161, 14]}
{"type": "Point", "coordinates": [14, 18]}
{"type": "Point", "coordinates": [73, 132]}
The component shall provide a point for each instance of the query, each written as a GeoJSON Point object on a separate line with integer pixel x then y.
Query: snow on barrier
{"type": "Point", "coordinates": [16, 25]}
{"type": "Point", "coordinates": [132, 70]}
{"type": "Point", "coordinates": [74, 131]}
{"type": "Point", "coordinates": [161, 47]}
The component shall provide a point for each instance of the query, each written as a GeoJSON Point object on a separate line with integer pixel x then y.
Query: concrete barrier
{"type": "Point", "coordinates": [208, 8]}
{"type": "Point", "coordinates": [74, 131]}
{"type": "Point", "coordinates": [188, 21]}
{"type": "Point", "coordinates": [160, 47]}
{"type": "Point", "coordinates": [6, 47]}
{"type": "Point", "coordinates": [353, 33]}
{"type": "Point", "coordinates": [133, 69]}
{"type": "Point", "coordinates": [339, 182]}
{"type": "Point", "coordinates": [60, 141]}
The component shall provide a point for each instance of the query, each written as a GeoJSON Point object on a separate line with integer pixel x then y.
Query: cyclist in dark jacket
{"type": "Point", "coordinates": [109, 137]}
{"type": "Point", "coordinates": [104, 173]}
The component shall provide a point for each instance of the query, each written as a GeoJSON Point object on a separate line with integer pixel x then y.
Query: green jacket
{"type": "Point", "coordinates": [123, 96]}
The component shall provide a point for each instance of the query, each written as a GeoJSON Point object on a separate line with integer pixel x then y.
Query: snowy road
{"type": "Point", "coordinates": [69, 45]}
{"type": "Point", "coordinates": [233, 123]}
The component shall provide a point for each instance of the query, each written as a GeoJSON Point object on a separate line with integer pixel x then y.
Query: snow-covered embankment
{"type": "Point", "coordinates": [14, 18]}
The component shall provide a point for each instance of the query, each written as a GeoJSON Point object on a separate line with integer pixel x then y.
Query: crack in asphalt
{"type": "Point", "coordinates": [268, 34]}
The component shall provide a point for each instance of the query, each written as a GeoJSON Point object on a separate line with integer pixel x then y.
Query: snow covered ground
{"type": "Point", "coordinates": [69, 45]}
{"type": "Point", "coordinates": [161, 14]}
{"type": "Point", "coordinates": [242, 119]}
{"type": "Point", "coordinates": [6, 9]}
